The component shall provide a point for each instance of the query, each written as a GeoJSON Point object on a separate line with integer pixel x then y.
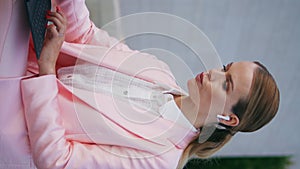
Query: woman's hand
{"type": "Point", "coordinates": [53, 41]}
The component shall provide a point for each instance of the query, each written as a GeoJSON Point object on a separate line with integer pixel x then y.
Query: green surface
{"type": "Point", "coordinates": [240, 163]}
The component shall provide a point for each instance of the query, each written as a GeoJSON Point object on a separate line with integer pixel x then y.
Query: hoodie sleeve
{"type": "Point", "coordinates": [82, 30]}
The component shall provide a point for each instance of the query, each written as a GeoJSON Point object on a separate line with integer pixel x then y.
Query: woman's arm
{"type": "Point", "coordinates": [81, 29]}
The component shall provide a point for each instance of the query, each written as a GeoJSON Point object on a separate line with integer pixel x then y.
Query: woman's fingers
{"type": "Point", "coordinates": [60, 26]}
{"type": "Point", "coordinates": [58, 20]}
{"type": "Point", "coordinates": [58, 13]}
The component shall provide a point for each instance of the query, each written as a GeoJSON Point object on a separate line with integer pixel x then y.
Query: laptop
{"type": "Point", "coordinates": [36, 11]}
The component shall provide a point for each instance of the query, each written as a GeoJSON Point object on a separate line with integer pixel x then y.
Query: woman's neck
{"type": "Point", "coordinates": [189, 109]}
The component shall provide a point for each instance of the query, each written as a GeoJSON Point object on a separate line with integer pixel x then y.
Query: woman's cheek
{"type": "Point", "coordinates": [218, 97]}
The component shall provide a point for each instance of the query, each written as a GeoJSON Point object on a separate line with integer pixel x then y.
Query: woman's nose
{"type": "Point", "coordinates": [216, 75]}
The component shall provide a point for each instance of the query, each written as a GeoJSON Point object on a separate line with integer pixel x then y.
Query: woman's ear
{"type": "Point", "coordinates": [232, 121]}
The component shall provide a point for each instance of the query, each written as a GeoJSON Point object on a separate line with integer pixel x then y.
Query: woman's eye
{"type": "Point", "coordinates": [225, 84]}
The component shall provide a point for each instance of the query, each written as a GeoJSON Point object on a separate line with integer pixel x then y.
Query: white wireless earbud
{"type": "Point", "coordinates": [227, 118]}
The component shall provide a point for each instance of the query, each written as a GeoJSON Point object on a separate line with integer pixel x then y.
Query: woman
{"type": "Point", "coordinates": [79, 127]}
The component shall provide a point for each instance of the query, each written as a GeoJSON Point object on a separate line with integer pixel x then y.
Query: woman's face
{"type": "Point", "coordinates": [218, 90]}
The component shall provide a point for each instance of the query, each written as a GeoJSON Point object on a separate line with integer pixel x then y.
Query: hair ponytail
{"type": "Point", "coordinates": [204, 150]}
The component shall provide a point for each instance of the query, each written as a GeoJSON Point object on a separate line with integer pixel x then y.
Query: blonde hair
{"type": "Point", "coordinates": [254, 111]}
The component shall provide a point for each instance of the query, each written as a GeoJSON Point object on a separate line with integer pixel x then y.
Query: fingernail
{"type": "Point", "coordinates": [48, 12]}
{"type": "Point", "coordinates": [57, 8]}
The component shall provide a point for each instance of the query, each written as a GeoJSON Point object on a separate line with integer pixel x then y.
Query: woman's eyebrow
{"type": "Point", "coordinates": [229, 76]}
{"type": "Point", "coordinates": [229, 65]}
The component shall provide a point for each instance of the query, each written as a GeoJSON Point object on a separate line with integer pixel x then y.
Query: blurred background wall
{"type": "Point", "coordinates": [263, 30]}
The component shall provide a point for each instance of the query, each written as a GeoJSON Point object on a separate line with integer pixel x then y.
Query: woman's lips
{"type": "Point", "coordinates": [199, 78]}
